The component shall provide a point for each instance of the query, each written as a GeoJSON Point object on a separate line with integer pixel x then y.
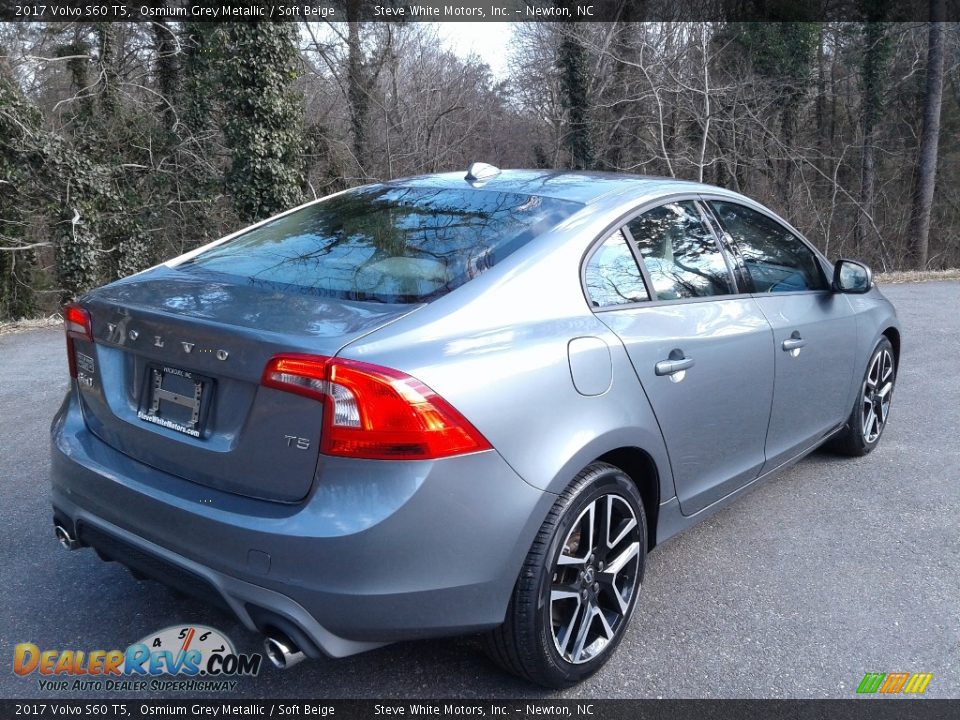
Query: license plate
{"type": "Point", "coordinates": [175, 399]}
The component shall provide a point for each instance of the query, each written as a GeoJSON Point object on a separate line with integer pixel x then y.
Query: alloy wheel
{"type": "Point", "coordinates": [594, 578]}
{"type": "Point", "coordinates": [877, 393]}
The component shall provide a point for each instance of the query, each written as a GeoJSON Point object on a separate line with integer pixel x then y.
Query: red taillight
{"type": "Point", "coordinates": [76, 323]}
{"type": "Point", "coordinates": [374, 412]}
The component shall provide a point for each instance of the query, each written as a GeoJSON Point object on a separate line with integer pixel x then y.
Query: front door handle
{"type": "Point", "coordinates": [793, 344]}
{"type": "Point", "coordinates": [675, 364]}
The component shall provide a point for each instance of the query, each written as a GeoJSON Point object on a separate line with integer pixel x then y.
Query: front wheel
{"type": "Point", "coordinates": [872, 408]}
{"type": "Point", "coordinates": [579, 583]}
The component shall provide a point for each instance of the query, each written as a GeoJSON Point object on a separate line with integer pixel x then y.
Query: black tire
{"type": "Point", "coordinates": [855, 439]}
{"type": "Point", "coordinates": [527, 643]}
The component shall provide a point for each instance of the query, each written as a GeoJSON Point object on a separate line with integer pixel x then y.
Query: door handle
{"type": "Point", "coordinates": [677, 362]}
{"type": "Point", "coordinates": [793, 344]}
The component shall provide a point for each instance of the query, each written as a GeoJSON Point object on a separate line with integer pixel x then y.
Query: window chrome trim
{"type": "Point", "coordinates": [679, 301]}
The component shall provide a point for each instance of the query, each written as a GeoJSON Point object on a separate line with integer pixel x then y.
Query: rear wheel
{"type": "Point", "coordinates": [872, 408]}
{"type": "Point", "coordinates": [579, 584]}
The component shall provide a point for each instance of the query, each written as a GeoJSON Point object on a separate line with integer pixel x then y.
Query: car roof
{"type": "Point", "coordinates": [573, 185]}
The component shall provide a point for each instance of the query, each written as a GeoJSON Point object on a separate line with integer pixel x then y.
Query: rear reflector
{"type": "Point", "coordinates": [76, 323]}
{"type": "Point", "coordinates": [374, 412]}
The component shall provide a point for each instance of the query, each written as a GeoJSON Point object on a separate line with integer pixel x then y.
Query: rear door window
{"type": "Point", "coordinates": [387, 243]}
{"type": "Point", "coordinates": [612, 276]}
{"type": "Point", "coordinates": [680, 252]}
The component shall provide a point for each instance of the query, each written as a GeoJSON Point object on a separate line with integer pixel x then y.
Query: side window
{"type": "Point", "coordinates": [680, 252]}
{"type": "Point", "coordinates": [612, 275]}
{"type": "Point", "coordinates": [776, 259]}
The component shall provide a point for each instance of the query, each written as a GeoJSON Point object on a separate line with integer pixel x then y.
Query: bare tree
{"type": "Point", "coordinates": [929, 140]}
{"type": "Point", "coordinates": [875, 56]}
{"type": "Point", "coordinates": [121, 144]}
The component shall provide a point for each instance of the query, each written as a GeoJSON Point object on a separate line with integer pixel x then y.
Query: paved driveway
{"type": "Point", "coordinates": [836, 568]}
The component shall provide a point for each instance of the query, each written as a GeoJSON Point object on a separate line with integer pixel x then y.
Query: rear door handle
{"type": "Point", "coordinates": [793, 344]}
{"type": "Point", "coordinates": [677, 362]}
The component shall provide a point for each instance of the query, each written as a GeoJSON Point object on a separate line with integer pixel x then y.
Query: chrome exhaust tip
{"type": "Point", "coordinates": [66, 540]}
{"type": "Point", "coordinates": [282, 652]}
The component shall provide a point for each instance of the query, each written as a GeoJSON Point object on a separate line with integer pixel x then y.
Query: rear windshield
{"type": "Point", "coordinates": [386, 243]}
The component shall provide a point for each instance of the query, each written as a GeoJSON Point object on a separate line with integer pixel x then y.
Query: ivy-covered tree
{"type": "Point", "coordinates": [263, 117]}
{"type": "Point", "coordinates": [18, 120]}
{"type": "Point", "coordinates": [167, 70]}
{"type": "Point", "coordinates": [782, 53]}
{"type": "Point", "coordinates": [572, 64]}
{"type": "Point", "coordinates": [192, 178]}
{"type": "Point", "coordinates": [76, 55]}
{"type": "Point", "coordinates": [198, 85]}
{"type": "Point", "coordinates": [116, 145]}
{"type": "Point", "coordinates": [73, 188]}
{"type": "Point", "coordinates": [124, 144]}
{"type": "Point", "coordinates": [46, 175]}
{"type": "Point", "coordinates": [359, 84]}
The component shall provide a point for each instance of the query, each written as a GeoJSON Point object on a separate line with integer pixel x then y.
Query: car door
{"type": "Point", "coordinates": [701, 351]}
{"type": "Point", "coordinates": [814, 329]}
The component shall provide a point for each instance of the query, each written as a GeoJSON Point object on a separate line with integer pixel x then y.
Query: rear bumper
{"type": "Point", "coordinates": [377, 552]}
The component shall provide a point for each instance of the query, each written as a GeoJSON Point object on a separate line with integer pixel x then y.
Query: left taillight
{"type": "Point", "coordinates": [374, 412]}
{"type": "Point", "coordinates": [77, 325]}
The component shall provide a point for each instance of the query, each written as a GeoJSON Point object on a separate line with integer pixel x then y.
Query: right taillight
{"type": "Point", "coordinates": [375, 412]}
{"type": "Point", "coordinates": [77, 325]}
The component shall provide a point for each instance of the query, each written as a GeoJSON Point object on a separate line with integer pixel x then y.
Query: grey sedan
{"type": "Point", "coordinates": [458, 403]}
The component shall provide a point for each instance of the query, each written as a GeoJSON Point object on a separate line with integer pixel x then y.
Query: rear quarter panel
{"type": "Point", "coordinates": [497, 349]}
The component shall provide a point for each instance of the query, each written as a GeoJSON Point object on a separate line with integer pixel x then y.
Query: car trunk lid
{"type": "Point", "coordinates": [172, 378]}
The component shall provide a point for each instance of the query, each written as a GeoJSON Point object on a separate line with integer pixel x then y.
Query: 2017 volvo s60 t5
{"type": "Point", "coordinates": [458, 404]}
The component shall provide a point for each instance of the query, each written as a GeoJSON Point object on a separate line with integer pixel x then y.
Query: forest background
{"type": "Point", "coordinates": [123, 144]}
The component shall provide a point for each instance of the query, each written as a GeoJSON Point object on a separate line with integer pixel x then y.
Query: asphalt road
{"type": "Point", "coordinates": [836, 568]}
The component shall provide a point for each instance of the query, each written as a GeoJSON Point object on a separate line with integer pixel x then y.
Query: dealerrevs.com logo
{"type": "Point", "coordinates": [190, 658]}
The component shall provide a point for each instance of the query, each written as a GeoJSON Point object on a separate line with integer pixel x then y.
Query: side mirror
{"type": "Point", "coordinates": [850, 276]}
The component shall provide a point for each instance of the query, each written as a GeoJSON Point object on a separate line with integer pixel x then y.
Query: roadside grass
{"type": "Point", "coordinates": [900, 276]}
{"type": "Point", "coordinates": [907, 276]}
{"type": "Point", "coordinates": [12, 326]}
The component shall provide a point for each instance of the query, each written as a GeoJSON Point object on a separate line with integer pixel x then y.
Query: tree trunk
{"type": "Point", "coordinates": [17, 297]}
{"type": "Point", "coordinates": [109, 84]}
{"type": "Point", "coordinates": [788, 131]}
{"type": "Point", "coordinates": [822, 131]}
{"type": "Point", "coordinates": [78, 67]}
{"type": "Point", "coordinates": [868, 175]}
{"type": "Point", "coordinates": [832, 120]}
{"type": "Point", "coordinates": [357, 87]}
{"type": "Point", "coordinates": [616, 153]}
{"type": "Point", "coordinates": [929, 141]}
{"type": "Point", "coordinates": [874, 70]}
{"type": "Point", "coordinates": [572, 62]}
{"type": "Point", "coordinates": [198, 76]}
{"type": "Point", "coordinates": [168, 78]}
{"type": "Point", "coordinates": [263, 126]}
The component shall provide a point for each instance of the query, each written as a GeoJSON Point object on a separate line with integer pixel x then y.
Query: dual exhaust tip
{"type": "Point", "coordinates": [280, 650]}
{"type": "Point", "coordinates": [66, 540]}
